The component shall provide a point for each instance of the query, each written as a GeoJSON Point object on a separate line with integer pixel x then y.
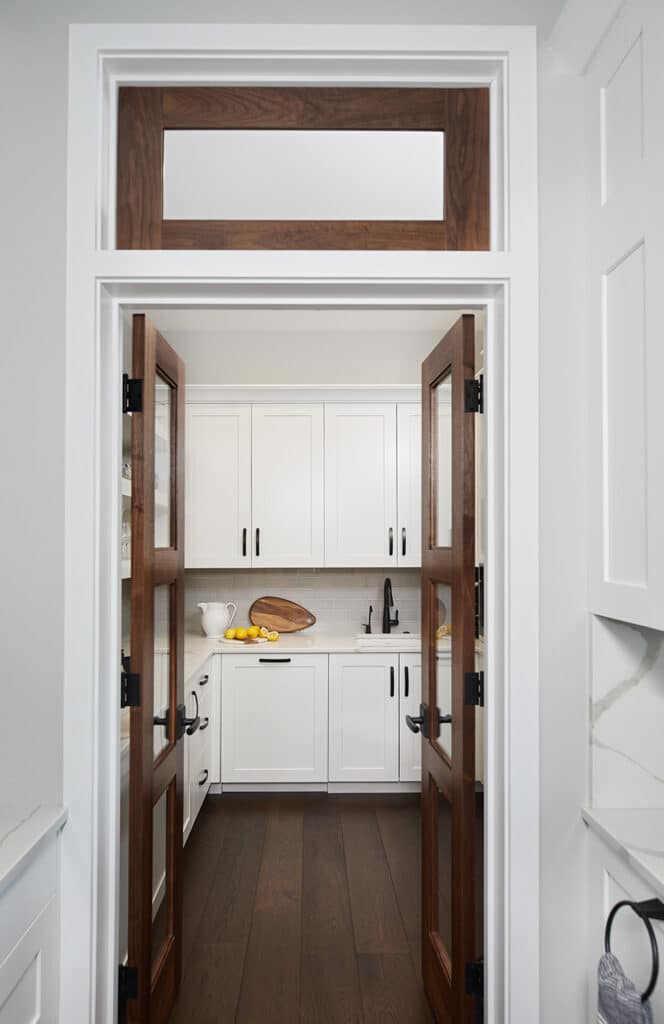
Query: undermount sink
{"type": "Point", "coordinates": [400, 640]}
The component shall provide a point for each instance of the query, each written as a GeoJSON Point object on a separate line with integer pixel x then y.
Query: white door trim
{"type": "Point", "coordinates": [103, 282]}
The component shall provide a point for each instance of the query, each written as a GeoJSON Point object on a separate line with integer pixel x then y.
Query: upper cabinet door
{"type": "Point", "coordinates": [218, 486]}
{"type": "Point", "coordinates": [360, 485]}
{"type": "Point", "coordinates": [409, 483]}
{"type": "Point", "coordinates": [287, 487]}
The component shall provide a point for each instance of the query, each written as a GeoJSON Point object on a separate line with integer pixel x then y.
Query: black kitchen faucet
{"type": "Point", "coordinates": [388, 601]}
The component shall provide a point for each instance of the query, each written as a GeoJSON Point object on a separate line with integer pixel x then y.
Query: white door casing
{"type": "Point", "coordinates": [102, 283]}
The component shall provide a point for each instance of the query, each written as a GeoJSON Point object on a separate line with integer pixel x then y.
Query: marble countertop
{"type": "Point", "coordinates": [23, 829]}
{"type": "Point", "coordinates": [637, 834]}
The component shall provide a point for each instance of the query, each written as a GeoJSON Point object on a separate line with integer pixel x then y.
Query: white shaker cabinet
{"type": "Point", "coordinates": [360, 485]}
{"type": "Point", "coordinates": [409, 483]}
{"type": "Point", "coordinates": [201, 748]}
{"type": "Point", "coordinates": [364, 718]}
{"type": "Point", "coordinates": [273, 717]}
{"type": "Point", "coordinates": [218, 486]}
{"type": "Point", "coordinates": [410, 698]}
{"type": "Point", "coordinates": [287, 485]}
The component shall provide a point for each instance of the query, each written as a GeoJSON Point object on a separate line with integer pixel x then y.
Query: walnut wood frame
{"type": "Point", "coordinates": [454, 777]}
{"type": "Point", "coordinates": [149, 778]}
{"type": "Point", "coordinates": [145, 112]}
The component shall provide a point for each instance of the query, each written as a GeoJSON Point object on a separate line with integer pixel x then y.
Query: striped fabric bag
{"type": "Point", "coordinates": [618, 1001]}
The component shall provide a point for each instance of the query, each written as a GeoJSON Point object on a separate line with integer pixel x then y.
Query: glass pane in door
{"type": "Point", "coordinates": [441, 422]}
{"type": "Point", "coordinates": [161, 875]}
{"type": "Point", "coordinates": [444, 877]}
{"type": "Point", "coordinates": [444, 641]}
{"type": "Point", "coordinates": [162, 462]}
{"type": "Point", "coordinates": [161, 687]}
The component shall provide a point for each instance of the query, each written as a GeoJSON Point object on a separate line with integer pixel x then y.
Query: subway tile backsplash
{"type": "Point", "coordinates": [339, 598]}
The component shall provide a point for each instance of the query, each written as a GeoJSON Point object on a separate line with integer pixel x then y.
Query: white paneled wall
{"type": "Point", "coordinates": [339, 598]}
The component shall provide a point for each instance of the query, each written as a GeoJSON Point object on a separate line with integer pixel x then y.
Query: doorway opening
{"type": "Point", "coordinates": [274, 831]}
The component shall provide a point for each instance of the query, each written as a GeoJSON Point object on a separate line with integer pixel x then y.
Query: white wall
{"type": "Point", "coordinates": [33, 56]}
{"type": "Point", "coordinates": [563, 552]}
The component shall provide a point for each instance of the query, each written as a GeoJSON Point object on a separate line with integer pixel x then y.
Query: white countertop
{"type": "Point", "coordinates": [636, 834]}
{"type": "Point", "coordinates": [23, 829]}
{"type": "Point", "coordinates": [198, 648]}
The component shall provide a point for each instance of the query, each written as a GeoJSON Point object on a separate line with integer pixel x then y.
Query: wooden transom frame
{"type": "Point", "coordinates": [145, 112]}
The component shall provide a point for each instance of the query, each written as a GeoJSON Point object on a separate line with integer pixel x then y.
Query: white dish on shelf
{"type": "Point", "coordinates": [242, 643]}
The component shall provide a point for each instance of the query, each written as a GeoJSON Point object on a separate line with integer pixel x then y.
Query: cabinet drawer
{"type": "Point", "coordinates": [274, 718]}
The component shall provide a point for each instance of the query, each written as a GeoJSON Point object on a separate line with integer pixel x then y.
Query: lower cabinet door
{"type": "Point", "coordinates": [364, 718]}
{"type": "Point", "coordinates": [410, 697]}
{"type": "Point", "coordinates": [191, 757]}
{"type": "Point", "coordinates": [274, 718]}
{"type": "Point", "coordinates": [29, 973]}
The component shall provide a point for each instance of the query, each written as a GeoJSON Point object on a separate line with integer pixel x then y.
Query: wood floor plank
{"type": "Point", "coordinates": [400, 823]}
{"type": "Point", "coordinates": [377, 922]}
{"type": "Point", "coordinates": [200, 871]}
{"type": "Point", "coordinates": [212, 974]}
{"type": "Point", "coordinates": [271, 981]}
{"type": "Point", "coordinates": [391, 993]}
{"type": "Point", "coordinates": [330, 988]}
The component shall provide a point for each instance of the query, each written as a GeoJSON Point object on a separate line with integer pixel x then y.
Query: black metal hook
{"type": "Point", "coordinates": [647, 910]}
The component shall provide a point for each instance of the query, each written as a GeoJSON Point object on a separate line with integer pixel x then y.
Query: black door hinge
{"type": "Point", "coordinates": [473, 394]}
{"type": "Point", "coordinates": [473, 688]}
{"type": "Point", "coordinates": [130, 685]}
{"type": "Point", "coordinates": [479, 601]}
{"type": "Point", "coordinates": [475, 987]}
{"type": "Point", "coordinates": [132, 393]}
{"type": "Point", "coordinates": [127, 984]}
{"type": "Point", "coordinates": [475, 978]}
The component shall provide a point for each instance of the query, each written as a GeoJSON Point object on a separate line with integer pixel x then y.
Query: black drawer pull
{"type": "Point", "coordinates": [406, 681]}
{"type": "Point", "coordinates": [203, 681]}
{"type": "Point", "coordinates": [244, 542]}
{"type": "Point", "coordinates": [201, 782]}
{"type": "Point", "coordinates": [392, 681]}
{"type": "Point", "coordinates": [403, 542]}
{"type": "Point", "coordinates": [391, 536]}
{"type": "Point", "coordinates": [204, 724]}
{"type": "Point", "coordinates": [274, 661]}
{"type": "Point", "coordinates": [258, 542]}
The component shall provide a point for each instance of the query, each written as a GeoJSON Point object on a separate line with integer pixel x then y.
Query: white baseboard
{"type": "Point", "coordinates": [215, 788]}
{"type": "Point", "coordinates": [374, 787]}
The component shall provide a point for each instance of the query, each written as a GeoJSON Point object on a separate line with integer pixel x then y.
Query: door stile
{"type": "Point", "coordinates": [156, 773]}
{"type": "Point", "coordinates": [448, 775]}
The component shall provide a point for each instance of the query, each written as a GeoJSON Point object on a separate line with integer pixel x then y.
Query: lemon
{"type": "Point", "coordinates": [230, 634]}
{"type": "Point", "coordinates": [241, 633]}
{"type": "Point", "coordinates": [273, 635]}
{"type": "Point", "coordinates": [265, 632]}
{"type": "Point", "coordinates": [253, 632]}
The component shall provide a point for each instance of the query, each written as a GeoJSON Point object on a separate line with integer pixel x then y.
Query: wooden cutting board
{"type": "Point", "coordinates": [280, 614]}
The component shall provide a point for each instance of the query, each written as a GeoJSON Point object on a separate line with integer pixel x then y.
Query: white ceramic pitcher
{"type": "Point", "coordinates": [216, 617]}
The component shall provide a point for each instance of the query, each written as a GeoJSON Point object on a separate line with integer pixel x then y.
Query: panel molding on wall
{"type": "Point", "coordinates": [624, 96]}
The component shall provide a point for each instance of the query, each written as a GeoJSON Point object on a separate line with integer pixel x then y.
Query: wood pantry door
{"type": "Point", "coordinates": [450, 953]}
{"type": "Point", "coordinates": [158, 725]}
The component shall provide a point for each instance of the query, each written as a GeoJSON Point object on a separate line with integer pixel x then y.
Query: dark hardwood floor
{"type": "Point", "coordinates": [303, 908]}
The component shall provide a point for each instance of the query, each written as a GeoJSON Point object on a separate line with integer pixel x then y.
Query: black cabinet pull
{"type": "Point", "coordinates": [391, 536]}
{"type": "Point", "coordinates": [403, 542]}
{"type": "Point", "coordinates": [274, 661]}
{"type": "Point", "coordinates": [244, 542]}
{"type": "Point", "coordinates": [392, 681]}
{"type": "Point", "coordinates": [204, 724]}
{"type": "Point", "coordinates": [258, 542]}
{"type": "Point", "coordinates": [201, 782]}
{"type": "Point", "coordinates": [406, 681]}
{"type": "Point", "coordinates": [203, 681]}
